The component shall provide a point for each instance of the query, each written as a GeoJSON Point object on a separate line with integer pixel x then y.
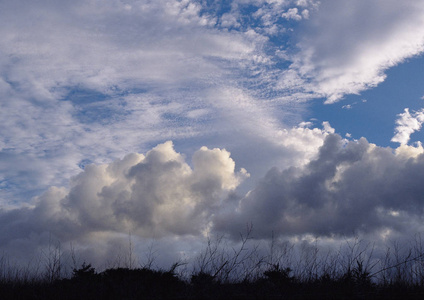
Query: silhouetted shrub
{"type": "Point", "coordinates": [86, 272]}
{"type": "Point", "coordinates": [279, 276]}
{"type": "Point", "coordinates": [202, 278]}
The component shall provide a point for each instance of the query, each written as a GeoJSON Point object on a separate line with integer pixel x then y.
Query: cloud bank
{"type": "Point", "coordinates": [352, 187]}
{"type": "Point", "coordinates": [347, 188]}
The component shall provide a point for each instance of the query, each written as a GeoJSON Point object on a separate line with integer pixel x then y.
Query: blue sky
{"type": "Point", "coordinates": [179, 119]}
{"type": "Point", "coordinates": [371, 113]}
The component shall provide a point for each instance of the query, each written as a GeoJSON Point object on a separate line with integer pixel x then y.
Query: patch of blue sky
{"type": "Point", "coordinates": [11, 187]}
{"type": "Point", "coordinates": [245, 14]}
{"type": "Point", "coordinates": [84, 163]}
{"type": "Point", "coordinates": [281, 40]}
{"type": "Point", "coordinates": [373, 113]}
{"type": "Point", "coordinates": [78, 95]}
{"type": "Point", "coordinates": [175, 118]}
{"type": "Point", "coordinates": [4, 184]}
{"type": "Point", "coordinates": [213, 7]}
{"type": "Point", "coordinates": [14, 194]}
{"type": "Point", "coordinates": [81, 95]}
{"type": "Point", "coordinates": [248, 19]}
{"type": "Point", "coordinates": [104, 113]}
{"type": "Point", "coordinates": [92, 106]}
{"type": "Point", "coordinates": [132, 91]}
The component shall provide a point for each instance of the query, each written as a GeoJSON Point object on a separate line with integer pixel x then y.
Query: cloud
{"type": "Point", "coordinates": [152, 195]}
{"type": "Point", "coordinates": [157, 196]}
{"type": "Point", "coordinates": [407, 124]}
{"type": "Point", "coordinates": [345, 48]}
{"type": "Point", "coordinates": [90, 81]}
{"type": "Point", "coordinates": [351, 187]}
{"type": "Point", "coordinates": [292, 13]}
{"type": "Point", "coordinates": [95, 81]}
{"type": "Point", "coordinates": [326, 187]}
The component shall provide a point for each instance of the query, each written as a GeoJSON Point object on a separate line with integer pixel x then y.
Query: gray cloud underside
{"type": "Point", "coordinates": [350, 187]}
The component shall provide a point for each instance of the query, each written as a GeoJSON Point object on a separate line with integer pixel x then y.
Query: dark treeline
{"type": "Point", "coordinates": [221, 271]}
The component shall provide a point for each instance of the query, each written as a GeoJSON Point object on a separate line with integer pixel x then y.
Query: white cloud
{"type": "Point", "coordinates": [305, 124]}
{"type": "Point", "coordinates": [152, 195]}
{"type": "Point", "coordinates": [300, 145]}
{"type": "Point", "coordinates": [90, 81]}
{"type": "Point", "coordinates": [406, 125]}
{"type": "Point", "coordinates": [328, 128]}
{"type": "Point", "coordinates": [93, 81]}
{"type": "Point", "coordinates": [145, 46]}
{"type": "Point", "coordinates": [292, 13]}
{"type": "Point", "coordinates": [157, 194]}
{"type": "Point", "coordinates": [305, 14]}
{"type": "Point", "coordinates": [346, 48]}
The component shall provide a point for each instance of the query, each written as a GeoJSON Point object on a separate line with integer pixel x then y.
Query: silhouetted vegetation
{"type": "Point", "coordinates": [223, 272]}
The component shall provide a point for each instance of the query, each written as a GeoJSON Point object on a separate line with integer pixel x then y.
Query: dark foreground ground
{"type": "Point", "coordinates": [122, 283]}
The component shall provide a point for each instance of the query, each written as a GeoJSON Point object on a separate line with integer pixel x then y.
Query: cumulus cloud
{"type": "Point", "coordinates": [159, 195]}
{"type": "Point", "coordinates": [352, 187]}
{"type": "Point", "coordinates": [152, 195]}
{"type": "Point", "coordinates": [332, 188]}
{"type": "Point", "coordinates": [406, 125]}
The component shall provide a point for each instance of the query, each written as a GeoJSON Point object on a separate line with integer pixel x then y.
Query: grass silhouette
{"type": "Point", "coordinates": [353, 272]}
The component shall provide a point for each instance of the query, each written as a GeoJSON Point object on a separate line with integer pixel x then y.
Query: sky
{"type": "Point", "coordinates": [173, 121]}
